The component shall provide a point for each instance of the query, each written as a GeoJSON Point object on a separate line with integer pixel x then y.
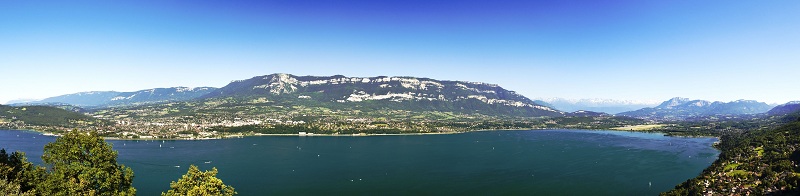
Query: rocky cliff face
{"type": "Point", "coordinates": [396, 92]}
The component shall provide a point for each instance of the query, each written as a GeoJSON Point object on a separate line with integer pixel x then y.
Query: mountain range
{"type": "Point", "coordinates": [610, 106]}
{"type": "Point", "coordinates": [114, 98]}
{"type": "Point", "coordinates": [682, 108]}
{"type": "Point", "coordinates": [396, 93]}
{"type": "Point", "coordinates": [412, 94]}
{"type": "Point", "coordinates": [787, 108]}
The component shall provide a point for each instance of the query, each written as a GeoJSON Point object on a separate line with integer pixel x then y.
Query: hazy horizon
{"type": "Point", "coordinates": [623, 50]}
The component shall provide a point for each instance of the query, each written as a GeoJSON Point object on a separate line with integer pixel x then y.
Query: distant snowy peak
{"type": "Point", "coordinates": [611, 106]}
{"type": "Point", "coordinates": [676, 101]}
{"type": "Point", "coordinates": [599, 101]}
{"type": "Point", "coordinates": [682, 108]}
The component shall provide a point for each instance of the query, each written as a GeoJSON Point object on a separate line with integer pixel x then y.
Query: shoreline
{"type": "Point", "coordinates": [347, 135]}
{"type": "Point", "coordinates": [365, 134]}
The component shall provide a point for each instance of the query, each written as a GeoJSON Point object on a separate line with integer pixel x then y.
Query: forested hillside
{"type": "Point", "coordinates": [759, 161]}
{"type": "Point", "coordinates": [42, 116]}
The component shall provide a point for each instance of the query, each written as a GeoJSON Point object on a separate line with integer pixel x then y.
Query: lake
{"type": "Point", "coordinates": [538, 162]}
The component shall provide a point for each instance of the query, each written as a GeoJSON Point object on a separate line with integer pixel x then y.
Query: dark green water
{"type": "Point", "coordinates": [540, 162]}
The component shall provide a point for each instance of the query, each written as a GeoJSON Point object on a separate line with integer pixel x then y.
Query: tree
{"type": "Point", "coordinates": [195, 182]}
{"type": "Point", "coordinates": [16, 169]}
{"type": "Point", "coordinates": [84, 164]}
{"type": "Point", "coordinates": [12, 189]}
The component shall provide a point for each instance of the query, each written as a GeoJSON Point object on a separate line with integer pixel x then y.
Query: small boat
{"type": "Point", "coordinates": [177, 166]}
{"type": "Point", "coordinates": [208, 162]}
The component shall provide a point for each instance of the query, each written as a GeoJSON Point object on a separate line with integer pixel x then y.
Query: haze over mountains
{"type": "Point", "coordinates": [682, 108]}
{"type": "Point", "coordinates": [414, 94]}
{"type": "Point", "coordinates": [786, 108]}
{"type": "Point", "coordinates": [114, 98]}
{"type": "Point", "coordinates": [610, 106]}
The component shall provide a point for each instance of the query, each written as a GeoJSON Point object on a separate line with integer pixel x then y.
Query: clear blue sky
{"type": "Point", "coordinates": [632, 50]}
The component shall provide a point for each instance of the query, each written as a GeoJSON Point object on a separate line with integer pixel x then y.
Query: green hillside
{"type": "Point", "coordinates": [757, 162]}
{"type": "Point", "coordinates": [43, 116]}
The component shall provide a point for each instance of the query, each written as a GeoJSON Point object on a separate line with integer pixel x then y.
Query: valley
{"type": "Point", "coordinates": [287, 105]}
{"type": "Point", "coordinates": [339, 105]}
{"type": "Point", "coordinates": [335, 105]}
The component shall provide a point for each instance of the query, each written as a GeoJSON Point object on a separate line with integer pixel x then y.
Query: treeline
{"type": "Point", "coordinates": [758, 161]}
{"type": "Point", "coordinates": [84, 164]}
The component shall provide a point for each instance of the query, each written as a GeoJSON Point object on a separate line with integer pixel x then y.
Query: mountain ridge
{"type": "Point", "coordinates": [115, 98]}
{"type": "Point", "coordinates": [406, 92]}
{"type": "Point", "coordinates": [680, 108]}
{"type": "Point", "coordinates": [397, 92]}
{"type": "Point", "coordinates": [610, 106]}
{"type": "Point", "coordinates": [786, 108]}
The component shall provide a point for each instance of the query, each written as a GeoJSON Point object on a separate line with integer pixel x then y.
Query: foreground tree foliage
{"type": "Point", "coordinates": [84, 164]}
{"type": "Point", "coordinates": [12, 189]}
{"type": "Point", "coordinates": [17, 171]}
{"type": "Point", "coordinates": [81, 163]}
{"type": "Point", "coordinates": [76, 164]}
{"type": "Point", "coordinates": [195, 182]}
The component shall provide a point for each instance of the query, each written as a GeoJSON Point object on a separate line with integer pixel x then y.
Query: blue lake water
{"type": "Point", "coordinates": [539, 162]}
